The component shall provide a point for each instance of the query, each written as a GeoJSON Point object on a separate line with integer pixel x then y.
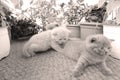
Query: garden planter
{"type": "Point", "coordinates": [87, 29]}
{"type": "Point", "coordinates": [113, 33]}
{"type": "Point", "coordinates": [75, 31]}
{"type": "Point", "coordinates": [4, 42]}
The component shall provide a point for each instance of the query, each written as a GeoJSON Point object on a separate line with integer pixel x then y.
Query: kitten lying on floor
{"type": "Point", "coordinates": [45, 40]}
{"type": "Point", "coordinates": [94, 50]}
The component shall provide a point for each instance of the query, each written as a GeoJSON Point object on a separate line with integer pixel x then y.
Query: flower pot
{"type": "Point", "coordinates": [75, 31]}
{"type": "Point", "coordinates": [4, 42]}
{"type": "Point", "coordinates": [87, 29]}
{"type": "Point", "coordinates": [113, 32]}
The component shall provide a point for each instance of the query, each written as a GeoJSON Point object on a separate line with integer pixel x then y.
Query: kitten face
{"type": "Point", "coordinates": [99, 44]}
{"type": "Point", "coordinates": [61, 39]}
{"type": "Point", "coordinates": [60, 35]}
{"type": "Point", "coordinates": [102, 50]}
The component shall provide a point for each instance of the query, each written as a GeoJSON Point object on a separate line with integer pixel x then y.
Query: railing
{"type": "Point", "coordinates": [93, 23]}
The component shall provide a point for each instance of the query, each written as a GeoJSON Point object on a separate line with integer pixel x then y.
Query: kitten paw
{"type": "Point", "coordinates": [107, 72]}
{"type": "Point", "coordinates": [29, 55]}
{"type": "Point", "coordinates": [77, 73]}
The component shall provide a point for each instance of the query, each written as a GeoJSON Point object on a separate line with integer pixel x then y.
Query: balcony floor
{"type": "Point", "coordinates": [48, 66]}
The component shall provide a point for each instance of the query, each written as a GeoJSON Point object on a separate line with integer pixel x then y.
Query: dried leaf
{"type": "Point", "coordinates": [112, 5]}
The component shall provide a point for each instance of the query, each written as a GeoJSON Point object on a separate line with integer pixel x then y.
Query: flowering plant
{"type": "Point", "coordinates": [97, 14]}
{"type": "Point", "coordinates": [3, 13]}
{"type": "Point", "coordinates": [75, 14]}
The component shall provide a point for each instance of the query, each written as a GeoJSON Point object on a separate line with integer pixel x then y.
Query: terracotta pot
{"type": "Point", "coordinates": [87, 29]}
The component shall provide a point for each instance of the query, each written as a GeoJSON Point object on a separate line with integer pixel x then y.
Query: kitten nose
{"type": "Point", "coordinates": [106, 52]}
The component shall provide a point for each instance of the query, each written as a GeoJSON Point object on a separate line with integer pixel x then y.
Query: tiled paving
{"type": "Point", "coordinates": [48, 66]}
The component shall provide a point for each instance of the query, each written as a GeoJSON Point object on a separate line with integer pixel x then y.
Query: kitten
{"type": "Point", "coordinates": [46, 40]}
{"type": "Point", "coordinates": [94, 50]}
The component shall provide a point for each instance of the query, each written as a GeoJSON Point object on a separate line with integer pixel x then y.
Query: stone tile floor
{"type": "Point", "coordinates": [48, 66]}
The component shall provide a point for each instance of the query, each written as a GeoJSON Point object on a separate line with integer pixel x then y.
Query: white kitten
{"type": "Point", "coordinates": [46, 40]}
{"type": "Point", "coordinates": [94, 50]}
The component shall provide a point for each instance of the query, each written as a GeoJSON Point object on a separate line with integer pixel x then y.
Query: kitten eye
{"type": "Point", "coordinates": [64, 38]}
{"type": "Point", "coordinates": [60, 39]}
{"type": "Point", "coordinates": [109, 47]}
{"type": "Point", "coordinates": [102, 48]}
{"type": "Point", "coordinates": [93, 40]}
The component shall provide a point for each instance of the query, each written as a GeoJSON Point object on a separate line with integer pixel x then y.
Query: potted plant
{"type": "Point", "coordinates": [23, 28]}
{"type": "Point", "coordinates": [93, 16]}
{"type": "Point", "coordinates": [42, 10]}
{"type": "Point", "coordinates": [93, 19]}
{"type": "Point", "coordinates": [73, 16]}
{"type": "Point", "coordinates": [96, 18]}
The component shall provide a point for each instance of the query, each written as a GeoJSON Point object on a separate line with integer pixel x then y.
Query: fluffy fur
{"type": "Point", "coordinates": [51, 26]}
{"type": "Point", "coordinates": [94, 50]}
{"type": "Point", "coordinates": [46, 40]}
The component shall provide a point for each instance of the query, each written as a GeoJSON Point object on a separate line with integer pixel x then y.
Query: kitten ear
{"type": "Point", "coordinates": [93, 40]}
{"type": "Point", "coordinates": [111, 40]}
